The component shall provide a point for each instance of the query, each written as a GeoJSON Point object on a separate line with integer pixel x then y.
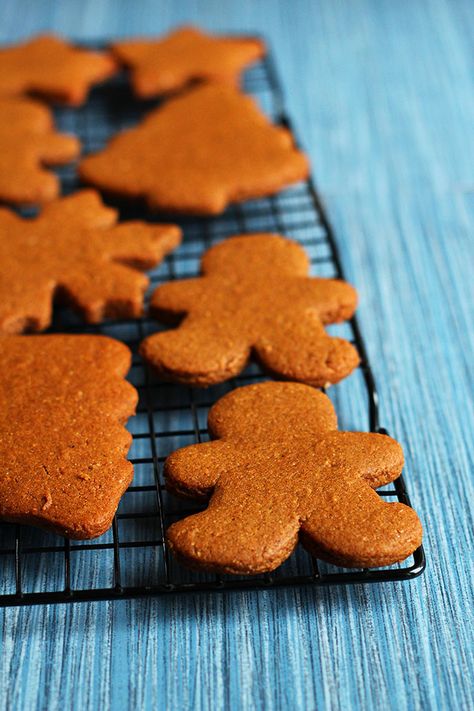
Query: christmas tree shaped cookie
{"type": "Point", "coordinates": [198, 153]}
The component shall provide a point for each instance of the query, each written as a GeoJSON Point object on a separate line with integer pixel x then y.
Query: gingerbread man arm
{"type": "Point", "coordinates": [349, 523]}
{"type": "Point", "coordinates": [170, 301]}
{"type": "Point", "coordinates": [334, 299]}
{"type": "Point", "coordinates": [59, 148]}
{"type": "Point", "coordinates": [376, 458]}
{"type": "Point", "coordinates": [195, 470]}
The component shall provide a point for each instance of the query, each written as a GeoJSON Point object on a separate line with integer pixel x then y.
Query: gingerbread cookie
{"type": "Point", "coordinates": [77, 253]}
{"type": "Point", "coordinates": [279, 471]}
{"type": "Point", "coordinates": [51, 67]}
{"type": "Point", "coordinates": [63, 444]}
{"type": "Point", "coordinates": [186, 55]}
{"type": "Point", "coordinates": [254, 298]}
{"type": "Point", "coordinates": [27, 142]}
{"type": "Point", "coordinates": [197, 153]}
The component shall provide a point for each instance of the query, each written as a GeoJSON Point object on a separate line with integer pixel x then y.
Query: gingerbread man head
{"type": "Point", "coordinates": [279, 471]}
{"type": "Point", "coordinates": [254, 299]}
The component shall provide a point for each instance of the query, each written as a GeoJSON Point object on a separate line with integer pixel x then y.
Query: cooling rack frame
{"type": "Point", "coordinates": [105, 102]}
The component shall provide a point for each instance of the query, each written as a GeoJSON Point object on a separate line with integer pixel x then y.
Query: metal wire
{"type": "Point", "coordinates": [132, 560]}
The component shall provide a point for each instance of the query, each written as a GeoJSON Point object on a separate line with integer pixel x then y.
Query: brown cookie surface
{"type": "Point", "coordinates": [63, 444]}
{"type": "Point", "coordinates": [75, 251]}
{"type": "Point", "coordinates": [279, 471]}
{"type": "Point", "coordinates": [186, 55]}
{"type": "Point", "coordinates": [197, 153]}
{"type": "Point", "coordinates": [28, 142]}
{"type": "Point", "coordinates": [254, 298]}
{"type": "Point", "coordinates": [51, 67]}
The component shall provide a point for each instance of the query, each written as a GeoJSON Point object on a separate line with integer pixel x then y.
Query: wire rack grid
{"type": "Point", "coordinates": [132, 560]}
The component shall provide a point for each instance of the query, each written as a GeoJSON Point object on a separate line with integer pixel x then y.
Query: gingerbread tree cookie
{"type": "Point", "coordinates": [27, 142]}
{"type": "Point", "coordinates": [51, 67]}
{"type": "Point", "coordinates": [186, 55]}
{"type": "Point", "coordinates": [279, 471]}
{"type": "Point", "coordinates": [197, 153]}
{"type": "Point", "coordinates": [63, 444]}
{"type": "Point", "coordinates": [254, 298]}
{"type": "Point", "coordinates": [76, 252]}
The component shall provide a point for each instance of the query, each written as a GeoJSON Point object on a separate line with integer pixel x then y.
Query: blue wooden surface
{"type": "Point", "coordinates": [381, 93]}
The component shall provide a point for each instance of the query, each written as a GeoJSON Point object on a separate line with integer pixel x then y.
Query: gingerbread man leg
{"type": "Point", "coordinates": [237, 532]}
{"type": "Point", "coordinates": [350, 522]}
{"type": "Point", "coordinates": [57, 149]}
{"type": "Point", "coordinates": [354, 514]}
{"type": "Point", "coordinates": [200, 352]}
{"type": "Point", "coordinates": [299, 349]}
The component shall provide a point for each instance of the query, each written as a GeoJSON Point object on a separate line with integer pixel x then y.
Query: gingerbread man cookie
{"type": "Point", "coordinates": [254, 298]}
{"type": "Point", "coordinates": [197, 153]}
{"type": "Point", "coordinates": [51, 67]}
{"type": "Point", "coordinates": [186, 55]}
{"type": "Point", "coordinates": [76, 252]}
{"type": "Point", "coordinates": [63, 444]}
{"type": "Point", "coordinates": [27, 142]}
{"type": "Point", "coordinates": [279, 471]}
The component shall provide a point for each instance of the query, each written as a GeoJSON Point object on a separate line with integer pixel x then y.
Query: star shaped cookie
{"type": "Point", "coordinates": [186, 55]}
{"type": "Point", "coordinates": [76, 253]}
{"type": "Point", "coordinates": [52, 68]}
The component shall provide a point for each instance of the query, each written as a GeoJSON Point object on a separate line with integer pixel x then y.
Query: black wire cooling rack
{"type": "Point", "coordinates": [132, 560]}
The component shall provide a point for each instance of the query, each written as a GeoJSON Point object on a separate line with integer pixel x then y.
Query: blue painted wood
{"type": "Point", "coordinates": [382, 96]}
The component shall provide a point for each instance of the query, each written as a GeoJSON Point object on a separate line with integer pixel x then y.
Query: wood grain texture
{"type": "Point", "coordinates": [382, 95]}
